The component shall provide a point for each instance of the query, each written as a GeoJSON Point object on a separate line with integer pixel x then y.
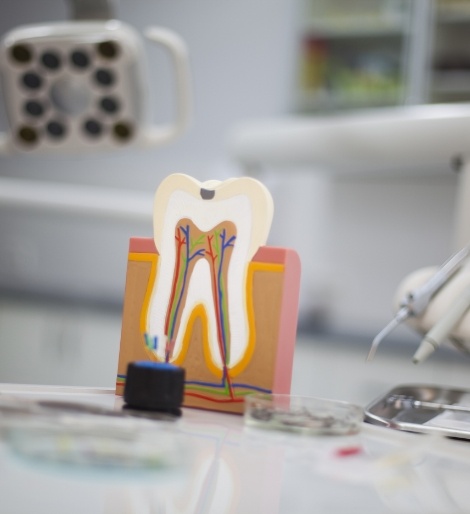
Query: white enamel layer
{"type": "Point", "coordinates": [246, 203]}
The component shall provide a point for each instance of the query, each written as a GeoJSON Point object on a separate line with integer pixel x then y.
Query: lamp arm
{"type": "Point", "coordinates": [4, 143]}
{"type": "Point", "coordinates": [179, 54]}
{"type": "Point", "coordinates": [5, 138]}
{"type": "Point", "coordinates": [462, 203]}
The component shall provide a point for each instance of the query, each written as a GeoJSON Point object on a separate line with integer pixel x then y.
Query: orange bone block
{"type": "Point", "coordinates": [273, 282]}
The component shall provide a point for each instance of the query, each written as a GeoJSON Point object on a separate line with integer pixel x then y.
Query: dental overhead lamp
{"type": "Point", "coordinates": [422, 139]}
{"type": "Point", "coordinates": [79, 87]}
{"type": "Point", "coordinates": [82, 85]}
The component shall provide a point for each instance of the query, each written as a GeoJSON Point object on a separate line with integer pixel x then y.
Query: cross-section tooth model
{"type": "Point", "coordinates": [208, 295]}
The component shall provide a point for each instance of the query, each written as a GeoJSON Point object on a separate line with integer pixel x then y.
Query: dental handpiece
{"type": "Point", "coordinates": [443, 328]}
{"type": "Point", "coordinates": [416, 301]}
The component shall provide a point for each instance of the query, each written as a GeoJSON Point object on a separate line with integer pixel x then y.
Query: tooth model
{"type": "Point", "coordinates": [207, 294]}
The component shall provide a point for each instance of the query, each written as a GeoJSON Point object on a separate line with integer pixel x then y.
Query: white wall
{"type": "Point", "coordinates": [357, 238]}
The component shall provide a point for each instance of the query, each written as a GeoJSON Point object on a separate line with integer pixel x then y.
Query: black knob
{"type": "Point", "coordinates": [154, 386]}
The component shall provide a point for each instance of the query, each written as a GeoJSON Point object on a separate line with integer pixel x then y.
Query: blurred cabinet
{"type": "Point", "coordinates": [450, 67]}
{"type": "Point", "coordinates": [371, 53]}
{"type": "Point", "coordinates": [54, 343]}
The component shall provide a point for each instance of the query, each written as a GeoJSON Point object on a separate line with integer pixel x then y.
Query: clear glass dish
{"type": "Point", "coordinates": [302, 414]}
{"type": "Point", "coordinates": [82, 435]}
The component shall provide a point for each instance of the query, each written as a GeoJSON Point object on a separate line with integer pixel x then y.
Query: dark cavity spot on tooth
{"type": "Point", "coordinates": [207, 194]}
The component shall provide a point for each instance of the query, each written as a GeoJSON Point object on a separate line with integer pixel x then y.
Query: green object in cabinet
{"type": "Point", "coordinates": [352, 54]}
{"type": "Point", "coordinates": [373, 53]}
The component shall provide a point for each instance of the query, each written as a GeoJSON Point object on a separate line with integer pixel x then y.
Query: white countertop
{"type": "Point", "coordinates": [229, 468]}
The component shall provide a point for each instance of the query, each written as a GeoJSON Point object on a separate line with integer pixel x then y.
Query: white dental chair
{"type": "Point", "coordinates": [416, 139]}
{"type": "Point", "coordinates": [400, 141]}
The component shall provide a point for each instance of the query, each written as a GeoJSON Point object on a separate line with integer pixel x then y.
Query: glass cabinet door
{"type": "Point", "coordinates": [353, 53]}
{"type": "Point", "coordinates": [450, 64]}
{"type": "Point", "coordinates": [372, 53]}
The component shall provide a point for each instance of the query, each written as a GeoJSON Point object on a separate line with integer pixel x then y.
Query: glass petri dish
{"type": "Point", "coordinates": [80, 435]}
{"type": "Point", "coordinates": [302, 414]}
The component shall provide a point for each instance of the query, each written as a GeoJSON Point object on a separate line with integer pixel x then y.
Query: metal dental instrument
{"type": "Point", "coordinates": [400, 401]}
{"type": "Point", "coordinates": [416, 301]}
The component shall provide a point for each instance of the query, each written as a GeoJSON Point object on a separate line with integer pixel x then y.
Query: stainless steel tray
{"type": "Point", "coordinates": [388, 412]}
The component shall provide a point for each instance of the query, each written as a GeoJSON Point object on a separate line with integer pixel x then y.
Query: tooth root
{"type": "Point", "coordinates": [205, 245]}
{"type": "Point", "coordinates": [215, 248]}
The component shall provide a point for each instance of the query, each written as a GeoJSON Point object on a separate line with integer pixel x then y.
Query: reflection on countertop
{"type": "Point", "coordinates": [59, 343]}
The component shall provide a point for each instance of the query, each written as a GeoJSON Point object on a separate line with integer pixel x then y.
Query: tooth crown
{"type": "Point", "coordinates": [257, 198]}
{"type": "Point", "coordinates": [214, 300]}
